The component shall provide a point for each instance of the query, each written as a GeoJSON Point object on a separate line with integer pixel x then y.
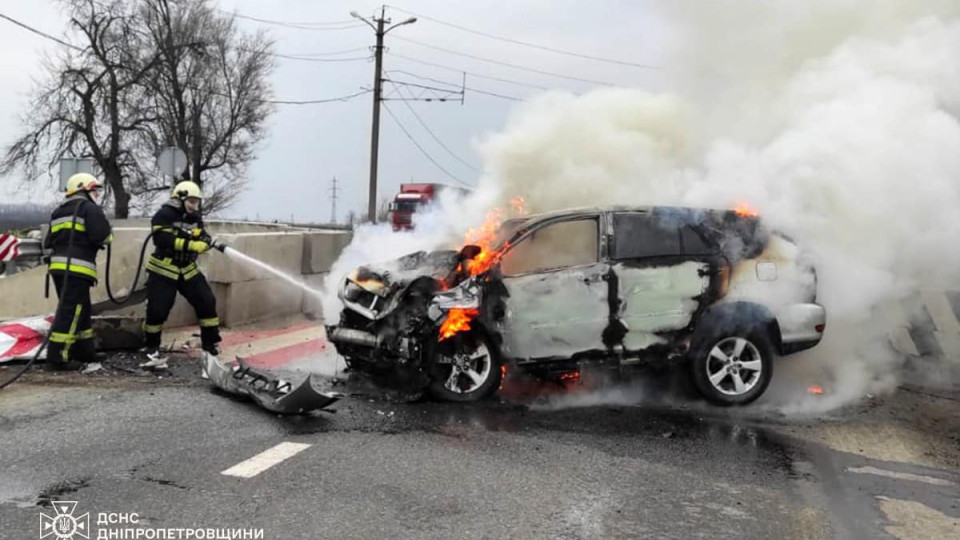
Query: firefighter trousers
{"type": "Point", "coordinates": [71, 335]}
{"type": "Point", "coordinates": [161, 293]}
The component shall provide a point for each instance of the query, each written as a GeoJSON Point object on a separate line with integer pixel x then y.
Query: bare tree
{"type": "Point", "coordinates": [146, 74]}
{"type": "Point", "coordinates": [89, 103]}
{"type": "Point", "coordinates": [213, 101]}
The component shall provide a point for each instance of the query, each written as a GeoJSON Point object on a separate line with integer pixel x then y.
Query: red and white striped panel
{"type": "Point", "coordinates": [9, 247]}
{"type": "Point", "coordinates": [20, 339]}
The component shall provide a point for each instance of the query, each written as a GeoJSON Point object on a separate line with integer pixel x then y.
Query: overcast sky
{"type": "Point", "coordinates": [310, 144]}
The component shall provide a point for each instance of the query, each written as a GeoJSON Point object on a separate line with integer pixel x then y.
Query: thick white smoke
{"type": "Point", "coordinates": [440, 226]}
{"type": "Point", "coordinates": [849, 142]}
{"type": "Point", "coordinates": [837, 119]}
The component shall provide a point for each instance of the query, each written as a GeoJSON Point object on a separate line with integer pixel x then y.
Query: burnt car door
{"type": "Point", "coordinates": [556, 292]}
{"type": "Point", "coordinates": [662, 269]}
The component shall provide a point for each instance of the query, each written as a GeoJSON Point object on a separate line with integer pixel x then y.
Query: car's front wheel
{"type": "Point", "coordinates": [734, 368]}
{"type": "Point", "coordinates": [467, 368]}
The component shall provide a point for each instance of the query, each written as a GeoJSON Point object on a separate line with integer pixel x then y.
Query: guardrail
{"type": "Point", "coordinates": [29, 257]}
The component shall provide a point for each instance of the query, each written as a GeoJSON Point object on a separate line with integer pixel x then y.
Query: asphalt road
{"type": "Point", "coordinates": [380, 469]}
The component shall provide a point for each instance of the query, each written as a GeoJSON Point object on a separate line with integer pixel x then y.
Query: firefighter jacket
{"type": "Point", "coordinates": [91, 232]}
{"type": "Point", "coordinates": [173, 230]}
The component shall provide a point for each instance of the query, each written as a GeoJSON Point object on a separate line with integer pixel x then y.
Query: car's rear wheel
{"type": "Point", "coordinates": [465, 369]}
{"type": "Point", "coordinates": [734, 368]}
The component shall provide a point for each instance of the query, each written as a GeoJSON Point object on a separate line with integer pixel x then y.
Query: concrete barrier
{"type": "Point", "coordinates": [312, 306]}
{"type": "Point", "coordinates": [244, 294]}
{"type": "Point", "coordinates": [283, 251]}
{"type": "Point", "coordinates": [321, 249]}
{"type": "Point", "coordinates": [252, 301]}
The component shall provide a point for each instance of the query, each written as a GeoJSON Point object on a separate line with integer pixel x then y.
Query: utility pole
{"type": "Point", "coordinates": [333, 201]}
{"type": "Point", "coordinates": [380, 31]}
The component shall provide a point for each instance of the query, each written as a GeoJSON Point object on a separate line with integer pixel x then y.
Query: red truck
{"type": "Point", "coordinates": [412, 198]}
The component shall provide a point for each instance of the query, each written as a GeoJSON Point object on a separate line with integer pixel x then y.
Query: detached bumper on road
{"type": "Point", "coordinates": [266, 391]}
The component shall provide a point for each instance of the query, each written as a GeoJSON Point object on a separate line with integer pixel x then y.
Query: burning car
{"type": "Point", "coordinates": [616, 287]}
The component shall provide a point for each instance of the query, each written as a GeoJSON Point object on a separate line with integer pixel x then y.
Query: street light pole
{"type": "Point", "coordinates": [375, 129]}
{"type": "Point", "coordinates": [378, 28]}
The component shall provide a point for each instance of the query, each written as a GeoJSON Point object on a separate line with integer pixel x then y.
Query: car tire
{"type": "Point", "coordinates": [477, 364]}
{"type": "Point", "coordinates": [733, 368]}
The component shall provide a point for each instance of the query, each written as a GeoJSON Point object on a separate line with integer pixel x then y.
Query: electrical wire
{"type": "Point", "coordinates": [430, 131]}
{"type": "Point", "coordinates": [39, 32]}
{"type": "Point", "coordinates": [493, 94]}
{"type": "Point", "coordinates": [331, 53]}
{"type": "Point", "coordinates": [528, 44]}
{"type": "Point", "coordinates": [347, 97]}
{"type": "Point", "coordinates": [329, 25]}
{"type": "Point", "coordinates": [458, 70]}
{"type": "Point", "coordinates": [505, 64]}
{"type": "Point", "coordinates": [422, 150]}
{"type": "Point", "coordinates": [308, 59]}
{"type": "Point", "coordinates": [314, 101]}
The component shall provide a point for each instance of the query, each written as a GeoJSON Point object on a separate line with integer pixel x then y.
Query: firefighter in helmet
{"type": "Point", "coordinates": [78, 229]}
{"type": "Point", "coordinates": [179, 238]}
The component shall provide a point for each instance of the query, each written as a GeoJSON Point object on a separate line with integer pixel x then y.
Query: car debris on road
{"type": "Point", "coordinates": [271, 393]}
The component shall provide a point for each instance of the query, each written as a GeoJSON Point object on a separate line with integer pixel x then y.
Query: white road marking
{"type": "Point", "coordinates": [902, 476]}
{"type": "Point", "coordinates": [263, 461]}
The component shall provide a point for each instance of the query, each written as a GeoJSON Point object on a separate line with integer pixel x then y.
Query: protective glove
{"type": "Point", "coordinates": [197, 246]}
{"type": "Point", "coordinates": [217, 244]}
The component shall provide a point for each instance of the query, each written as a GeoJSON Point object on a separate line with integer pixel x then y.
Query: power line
{"type": "Point", "coordinates": [331, 53]}
{"type": "Point", "coordinates": [424, 93]}
{"type": "Point", "coordinates": [432, 134]}
{"type": "Point", "coordinates": [312, 101]}
{"type": "Point", "coordinates": [414, 75]}
{"type": "Point", "coordinates": [422, 151]}
{"type": "Point", "coordinates": [330, 25]}
{"type": "Point", "coordinates": [458, 70]}
{"type": "Point", "coordinates": [507, 64]}
{"type": "Point", "coordinates": [501, 96]}
{"type": "Point", "coordinates": [308, 59]}
{"type": "Point", "coordinates": [285, 101]}
{"type": "Point", "coordinates": [40, 33]}
{"type": "Point", "coordinates": [511, 98]}
{"type": "Point", "coordinates": [303, 58]}
{"type": "Point", "coordinates": [528, 44]}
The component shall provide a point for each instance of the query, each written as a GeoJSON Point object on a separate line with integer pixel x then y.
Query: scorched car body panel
{"type": "Point", "coordinates": [618, 285]}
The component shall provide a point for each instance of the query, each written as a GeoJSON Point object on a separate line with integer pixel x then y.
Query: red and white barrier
{"type": "Point", "coordinates": [9, 247]}
{"type": "Point", "coordinates": [21, 338]}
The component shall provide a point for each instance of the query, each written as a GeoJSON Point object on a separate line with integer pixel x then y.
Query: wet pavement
{"type": "Point", "coordinates": [543, 467]}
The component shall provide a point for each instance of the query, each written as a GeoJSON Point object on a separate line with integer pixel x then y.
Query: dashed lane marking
{"type": "Point", "coordinates": [263, 461]}
{"type": "Point", "coordinates": [902, 476]}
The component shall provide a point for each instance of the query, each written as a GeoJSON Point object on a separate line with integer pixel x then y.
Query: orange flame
{"type": "Point", "coordinates": [744, 209]}
{"type": "Point", "coordinates": [816, 390]}
{"type": "Point", "coordinates": [485, 235]}
{"type": "Point", "coordinates": [458, 320]}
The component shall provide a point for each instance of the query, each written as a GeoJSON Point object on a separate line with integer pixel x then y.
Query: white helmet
{"type": "Point", "coordinates": [186, 190]}
{"type": "Point", "coordinates": [82, 182]}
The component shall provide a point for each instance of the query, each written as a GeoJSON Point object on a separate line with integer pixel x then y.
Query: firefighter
{"type": "Point", "coordinates": [179, 237]}
{"type": "Point", "coordinates": [78, 229]}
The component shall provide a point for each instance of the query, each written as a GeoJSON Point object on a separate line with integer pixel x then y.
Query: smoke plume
{"type": "Point", "coordinates": [837, 120]}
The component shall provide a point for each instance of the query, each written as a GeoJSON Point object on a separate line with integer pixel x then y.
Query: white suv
{"type": "Point", "coordinates": [615, 286]}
